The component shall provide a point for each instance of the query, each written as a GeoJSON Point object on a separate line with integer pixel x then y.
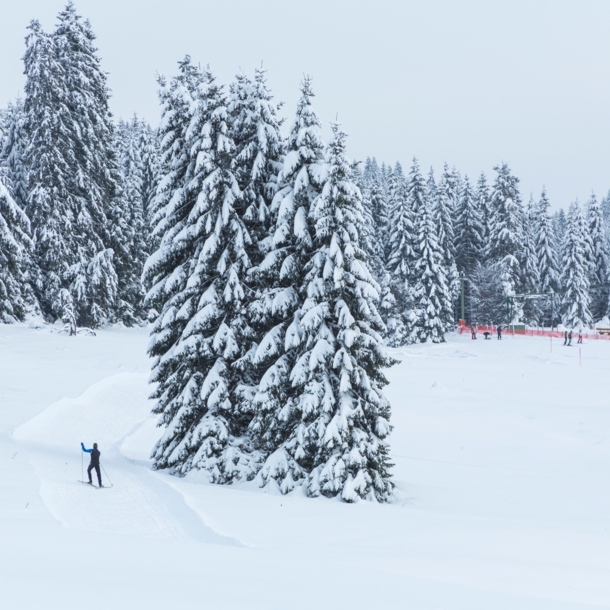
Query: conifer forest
{"type": "Point", "coordinates": [272, 268]}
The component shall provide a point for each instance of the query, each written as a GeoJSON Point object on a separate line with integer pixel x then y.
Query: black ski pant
{"type": "Point", "coordinates": [97, 470]}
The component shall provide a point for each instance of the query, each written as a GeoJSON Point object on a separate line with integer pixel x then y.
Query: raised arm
{"type": "Point", "coordinates": [86, 450]}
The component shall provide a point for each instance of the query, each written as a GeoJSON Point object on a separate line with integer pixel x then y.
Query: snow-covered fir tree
{"type": "Point", "coordinates": [483, 202]}
{"type": "Point", "coordinates": [469, 240]}
{"type": "Point", "coordinates": [149, 153]}
{"type": "Point", "coordinates": [17, 297]}
{"type": "Point", "coordinates": [50, 203]}
{"type": "Point", "coordinates": [447, 194]}
{"type": "Point", "coordinates": [368, 232]}
{"type": "Point", "coordinates": [283, 270]}
{"type": "Point", "coordinates": [342, 417]}
{"type": "Point", "coordinates": [130, 231]}
{"type": "Point", "coordinates": [71, 167]}
{"type": "Point", "coordinates": [529, 282]}
{"type": "Point", "coordinates": [165, 271]}
{"type": "Point", "coordinates": [560, 224]}
{"type": "Point", "coordinates": [469, 231]}
{"type": "Point", "coordinates": [93, 181]}
{"type": "Point", "coordinates": [419, 207]}
{"type": "Point", "coordinates": [204, 385]}
{"type": "Point", "coordinates": [505, 244]}
{"type": "Point", "coordinates": [599, 275]}
{"type": "Point", "coordinates": [546, 246]}
{"type": "Point", "coordinates": [374, 238]}
{"type": "Point", "coordinates": [576, 300]}
{"type": "Point", "coordinates": [376, 218]}
{"type": "Point", "coordinates": [431, 294]}
{"type": "Point", "coordinates": [401, 259]}
{"type": "Point", "coordinates": [258, 151]}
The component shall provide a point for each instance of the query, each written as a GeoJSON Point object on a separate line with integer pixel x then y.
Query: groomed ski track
{"type": "Point", "coordinates": [502, 461]}
{"type": "Point", "coordinates": [109, 412]}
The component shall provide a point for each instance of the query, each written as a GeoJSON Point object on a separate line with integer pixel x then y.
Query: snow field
{"type": "Point", "coordinates": [501, 463]}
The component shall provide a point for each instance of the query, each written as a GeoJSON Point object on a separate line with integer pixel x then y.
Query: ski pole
{"type": "Point", "coordinates": [106, 475]}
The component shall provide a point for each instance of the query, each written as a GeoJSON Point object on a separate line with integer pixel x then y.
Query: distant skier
{"type": "Point", "coordinates": [569, 338]}
{"type": "Point", "coordinates": [473, 331]}
{"type": "Point", "coordinates": [565, 337]}
{"type": "Point", "coordinates": [499, 332]}
{"type": "Point", "coordinates": [580, 335]}
{"type": "Point", "coordinates": [95, 463]}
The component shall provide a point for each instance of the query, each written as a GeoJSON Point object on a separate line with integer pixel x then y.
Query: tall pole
{"type": "Point", "coordinates": [552, 319]}
{"type": "Point", "coordinates": [462, 282]}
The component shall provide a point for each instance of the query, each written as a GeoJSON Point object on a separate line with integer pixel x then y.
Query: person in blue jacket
{"type": "Point", "coordinates": [95, 463]}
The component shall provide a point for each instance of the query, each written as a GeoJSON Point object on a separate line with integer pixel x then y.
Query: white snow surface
{"type": "Point", "coordinates": [502, 467]}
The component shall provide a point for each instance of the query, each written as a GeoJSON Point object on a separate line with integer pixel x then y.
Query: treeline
{"type": "Point", "coordinates": [487, 239]}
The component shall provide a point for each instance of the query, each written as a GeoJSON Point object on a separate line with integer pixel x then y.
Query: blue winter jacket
{"type": "Point", "coordinates": [95, 455]}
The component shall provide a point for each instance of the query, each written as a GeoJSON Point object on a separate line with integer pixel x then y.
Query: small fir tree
{"type": "Point", "coordinates": [546, 248]}
{"type": "Point", "coordinates": [469, 240]}
{"type": "Point", "coordinates": [432, 298]}
{"type": "Point", "coordinates": [599, 280]}
{"type": "Point", "coordinates": [575, 303]}
{"type": "Point", "coordinates": [401, 260]}
{"type": "Point", "coordinates": [505, 244]}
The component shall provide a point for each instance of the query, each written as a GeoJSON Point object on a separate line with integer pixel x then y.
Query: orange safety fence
{"type": "Point", "coordinates": [530, 332]}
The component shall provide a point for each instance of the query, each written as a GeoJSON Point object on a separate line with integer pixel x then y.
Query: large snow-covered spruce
{"type": "Point", "coordinates": [279, 306]}
{"type": "Point", "coordinates": [204, 386]}
{"type": "Point", "coordinates": [342, 415]}
{"type": "Point", "coordinates": [71, 167]}
{"type": "Point", "coordinates": [50, 204]}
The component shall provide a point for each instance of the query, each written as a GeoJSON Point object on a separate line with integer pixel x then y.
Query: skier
{"type": "Point", "coordinates": [565, 337]}
{"type": "Point", "coordinates": [580, 335]}
{"type": "Point", "coordinates": [499, 332]}
{"type": "Point", "coordinates": [95, 463]}
{"type": "Point", "coordinates": [569, 338]}
{"type": "Point", "coordinates": [473, 331]}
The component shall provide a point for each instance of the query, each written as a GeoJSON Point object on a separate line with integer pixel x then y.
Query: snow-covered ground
{"type": "Point", "coordinates": [502, 465]}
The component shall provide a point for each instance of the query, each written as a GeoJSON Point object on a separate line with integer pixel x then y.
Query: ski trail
{"type": "Point", "coordinates": [139, 503]}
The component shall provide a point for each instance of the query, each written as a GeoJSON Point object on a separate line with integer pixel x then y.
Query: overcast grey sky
{"type": "Point", "coordinates": [472, 83]}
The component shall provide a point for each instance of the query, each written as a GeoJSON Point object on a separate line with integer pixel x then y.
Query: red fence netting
{"type": "Point", "coordinates": [529, 332]}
